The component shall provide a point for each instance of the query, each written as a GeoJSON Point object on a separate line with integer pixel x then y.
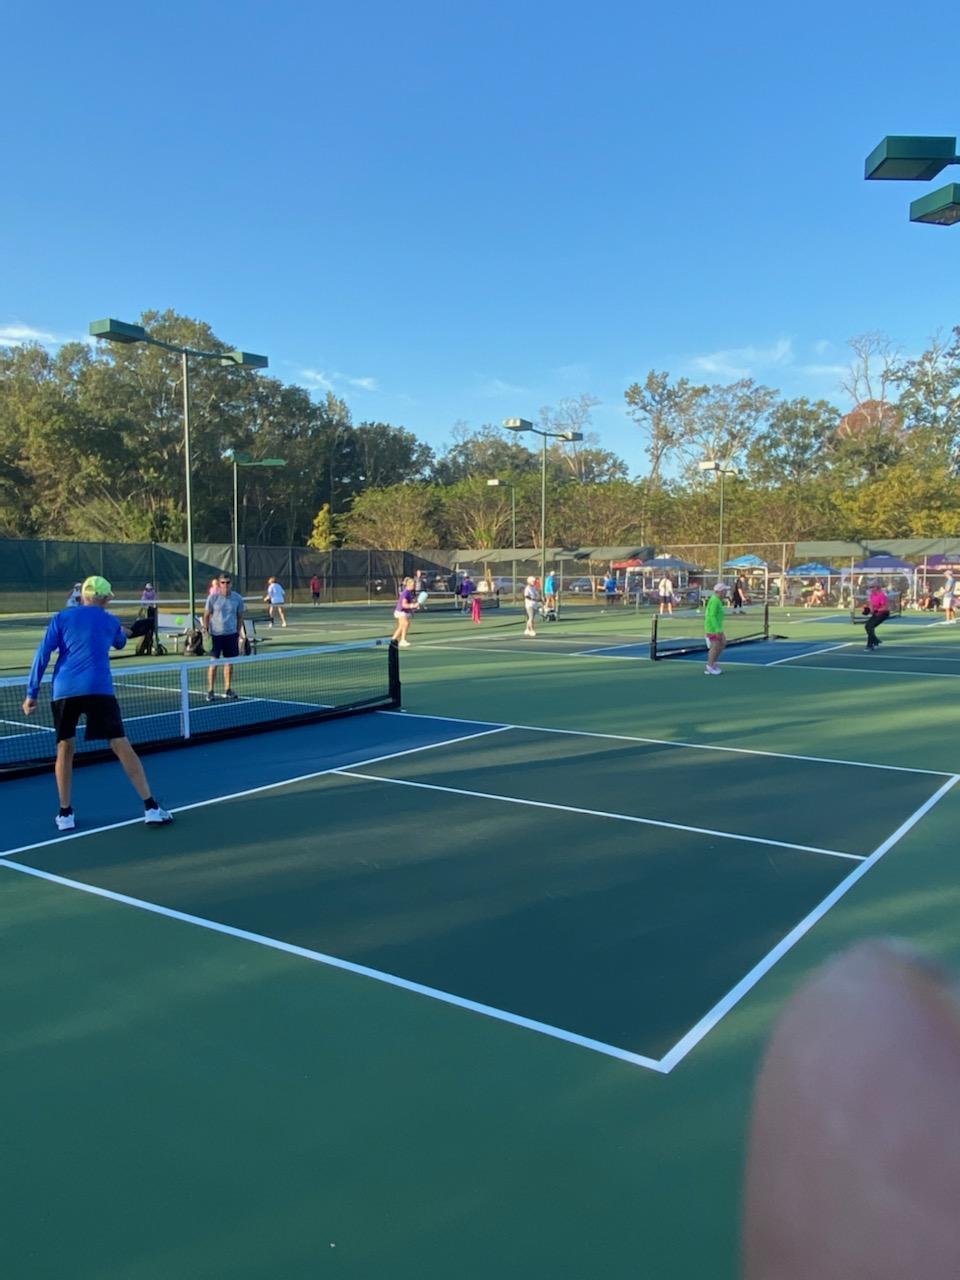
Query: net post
{"type": "Point", "coordinates": [653, 639]}
{"type": "Point", "coordinates": [393, 670]}
{"type": "Point", "coordinates": [185, 701]}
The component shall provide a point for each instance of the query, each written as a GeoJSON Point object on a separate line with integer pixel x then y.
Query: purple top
{"type": "Point", "coordinates": [405, 600]}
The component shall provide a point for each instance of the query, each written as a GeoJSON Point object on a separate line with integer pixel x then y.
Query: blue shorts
{"type": "Point", "coordinates": [225, 646]}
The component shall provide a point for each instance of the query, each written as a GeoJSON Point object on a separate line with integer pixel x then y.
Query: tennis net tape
{"type": "Point", "coordinates": [166, 705]}
{"type": "Point", "coordinates": [674, 634]}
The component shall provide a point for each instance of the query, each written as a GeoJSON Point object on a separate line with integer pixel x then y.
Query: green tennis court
{"type": "Point", "coordinates": [477, 988]}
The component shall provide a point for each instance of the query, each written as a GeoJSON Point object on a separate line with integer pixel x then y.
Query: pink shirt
{"type": "Point", "coordinates": [878, 601]}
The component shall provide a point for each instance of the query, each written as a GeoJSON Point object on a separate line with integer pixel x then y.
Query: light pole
{"type": "Point", "coordinates": [240, 459]}
{"type": "Point", "coordinates": [522, 424]}
{"type": "Point", "coordinates": [493, 484]}
{"type": "Point", "coordinates": [721, 470]}
{"type": "Point", "coordinates": [912, 159]}
{"type": "Point", "coordinates": [118, 331]}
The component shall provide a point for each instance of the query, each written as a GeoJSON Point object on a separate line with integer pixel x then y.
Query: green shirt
{"type": "Point", "coordinates": [713, 616]}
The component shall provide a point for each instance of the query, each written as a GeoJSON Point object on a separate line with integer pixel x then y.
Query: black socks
{"type": "Point", "coordinates": [150, 803]}
{"type": "Point", "coordinates": [65, 813]}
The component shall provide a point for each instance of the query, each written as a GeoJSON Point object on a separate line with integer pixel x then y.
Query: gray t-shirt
{"type": "Point", "coordinates": [225, 613]}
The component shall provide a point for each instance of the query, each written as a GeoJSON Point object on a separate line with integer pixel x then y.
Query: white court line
{"type": "Point", "coordinates": [879, 669]}
{"type": "Point", "coordinates": [693, 746]}
{"type": "Point", "coordinates": [250, 791]}
{"type": "Point", "coordinates": [722, 1007]}
{"type": "Point", "coordinates": [27, 724]}
{"type": "Point", "coordinates": [335, 962]}
{"type": "Point", "coordinates": [351, 772]}
{"type": "Point", "coordinates": [816, 653]}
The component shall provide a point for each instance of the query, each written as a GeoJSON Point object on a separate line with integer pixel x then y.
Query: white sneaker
{"type": "Point", "coordinates": [65, 821]}
{"type": "Point", "coordinates": [157, 817]}
{"type": "Point", "coordinates": [712, 671]}
{"type": "Point", "coordinates": [403, 644]}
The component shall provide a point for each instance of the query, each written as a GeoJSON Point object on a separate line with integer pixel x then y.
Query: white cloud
{"type": "Point", "coordinates": [576, 372]}
{"type": "Point", "coordinates": [496, 388]}
{"type": "Point", "coordinates": [321, 380]}
{"type": "Point", "coordinates": [316, 379]}
{"type": "Point", "coordinates": [824, 370]}
{"type": "Point", "coordinates": [12, 335]}
{"type": "Point", "coordinates": [741, 362]}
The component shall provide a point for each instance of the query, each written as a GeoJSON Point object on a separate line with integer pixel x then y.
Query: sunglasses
{"type": "Point", "coordinates": [224, 581]}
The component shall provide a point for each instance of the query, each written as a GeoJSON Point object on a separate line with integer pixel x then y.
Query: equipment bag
{"type": "Point", "coordinates": [193, 644]}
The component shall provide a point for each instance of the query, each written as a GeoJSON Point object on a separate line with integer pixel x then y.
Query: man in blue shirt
{"type": "Point", "coordinates": [82, 638]}
{"type": "Point", "coordinates": [223, 621]}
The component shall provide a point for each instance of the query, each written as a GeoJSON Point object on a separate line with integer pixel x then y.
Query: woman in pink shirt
{"type": "Point", "coordinates": [879, 607]}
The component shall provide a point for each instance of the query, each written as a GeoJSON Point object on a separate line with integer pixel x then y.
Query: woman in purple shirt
{"type": "Point", "coordinates": [406, 603]}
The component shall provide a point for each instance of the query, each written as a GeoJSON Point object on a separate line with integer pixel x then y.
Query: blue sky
{"type": "Point", "coordinates": [465, 211]}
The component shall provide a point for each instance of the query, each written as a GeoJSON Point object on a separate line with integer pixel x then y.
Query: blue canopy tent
{"type": "Point", "coordinates": [891, 571]}
{"type": "Point", "coordinates": [814, 569]}
{"type": "Point", "coordinates": [752, 566]}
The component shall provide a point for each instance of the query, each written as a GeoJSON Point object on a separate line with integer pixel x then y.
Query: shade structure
{"type": "Point", "coordinates": [671, 562]}
{"type": "Point", "coordinates": [883, 562]}
{"type": "Point", "coordinates": [745, 562]}
{"type": "Point", "coordinates": [813, 569]}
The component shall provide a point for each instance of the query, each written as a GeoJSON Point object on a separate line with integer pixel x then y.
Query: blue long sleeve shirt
{"type": "Point", "coordinates": [82, 639]}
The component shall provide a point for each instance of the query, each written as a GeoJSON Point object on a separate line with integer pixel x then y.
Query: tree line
{"type": "Point", "coordinates": [91, 447]}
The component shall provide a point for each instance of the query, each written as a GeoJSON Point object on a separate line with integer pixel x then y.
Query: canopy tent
{"type": "Point", "coordinates": [671, 562]}
{"type": "Point", "coordinates": [883, 563]}
{"type": "Point", "coordinates": [753, 567]}
{"type": "Point", "coordinates": [745, 562]}
{"type": "Point", "coordinates": [813, 569]}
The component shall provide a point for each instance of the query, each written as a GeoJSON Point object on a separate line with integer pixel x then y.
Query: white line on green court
{"type": "Point", "coordinates": [816, 653]}
{"type": "Point", "coordinates": [693, 746]}
{"type": "Point", "coordinates": [335, 962]}
{"type": "Point", "coordinates": [251, 791]}
{"type": "Point", "coordinates": [722, 1007]}
{"type": "Point", "coordinates": [598, 813]}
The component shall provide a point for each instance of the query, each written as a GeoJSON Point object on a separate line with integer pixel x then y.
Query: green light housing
{"type": "Point", "coordinates": [907, 159]}
{"type": "Point", "coordinates": [244, 360]}
{"type": "Point", "coordinates": [942, 208]}
{"type": "Point", "coordinates": [117, 331]}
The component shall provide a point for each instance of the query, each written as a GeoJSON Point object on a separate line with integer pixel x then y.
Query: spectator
{"type": "Point", "coordinates": [75, 598]}
{"type": "Point", "coordinates": [610, 587]}
{"type": "Point", "coordinates": [550, 591]}
{"type": "Point", "coordinates": [316, 586]}
{"type": "Point", "coordinates": [148, 595]}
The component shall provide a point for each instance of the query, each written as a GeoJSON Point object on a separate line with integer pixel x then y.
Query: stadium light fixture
{"type": "Point", "coordinates": [913, 159]}
{"type": "Point", "coordinates": [721, 470]}
{"type": "Point", "coordinates": [494, 484]}
{"type": "Point", "coordinates": [122, 332]}
{"type": "Point", "coordinates": [239, 458]}
{"type": "Point", "coordinates": [942, 207]}
{"type": "Point", "coordinates": [910, 159]}
{"type": "Point", "coordinates": [524, 424]}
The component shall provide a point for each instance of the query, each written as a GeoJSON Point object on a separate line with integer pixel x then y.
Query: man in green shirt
{"type": "Point", "coordinates": [713, 628]}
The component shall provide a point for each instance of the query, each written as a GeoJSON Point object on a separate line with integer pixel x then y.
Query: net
{"type": "Point", "coordinates": [674, 634]}
{"type": "Point", "coordinates": [166, 705]}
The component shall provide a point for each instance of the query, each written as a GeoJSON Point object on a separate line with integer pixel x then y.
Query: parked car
{"type": "Point", "coordinates": [582, 585]}
{"type": "Point", "coordinates": [504, 584]}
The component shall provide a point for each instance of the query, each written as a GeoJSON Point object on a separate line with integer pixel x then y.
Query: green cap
{"type": "Point", "coordinates": [96, 586]}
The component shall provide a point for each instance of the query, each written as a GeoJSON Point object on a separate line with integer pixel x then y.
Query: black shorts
{"type": "Point", "coordinates": [101, 710]}
{"type": "Point", "coordinates": [225, 646]}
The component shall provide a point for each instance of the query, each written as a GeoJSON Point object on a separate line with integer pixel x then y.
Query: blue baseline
{"type": "Point", "coordinates": [102, 795]}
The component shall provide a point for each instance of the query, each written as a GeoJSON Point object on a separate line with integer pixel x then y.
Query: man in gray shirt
{"type": "Point", "coordinates": [222, 621]}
